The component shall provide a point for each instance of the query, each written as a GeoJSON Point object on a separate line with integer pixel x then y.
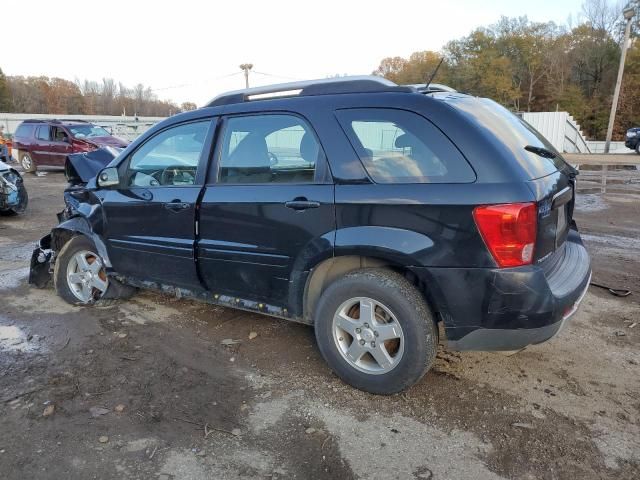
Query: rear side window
{"type": "Point", "coordinates": [271, 148]}
{"type": "Point", "coordinates": [24, 130]}
{"type": "Point", "coordinates": [44, 132]}
{"type": "Point", "coordinates": [397, 146]}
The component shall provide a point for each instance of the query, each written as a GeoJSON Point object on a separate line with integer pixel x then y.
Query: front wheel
{"type": "Point", "coordinates": [638, 148]}
{"type": "Point", "coordinates": [79, 274]}
{"type": "Point", "coordinates": [375, 331]}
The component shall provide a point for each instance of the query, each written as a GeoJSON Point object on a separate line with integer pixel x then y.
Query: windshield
{"type": "Point", "coordinates": [87, 131]}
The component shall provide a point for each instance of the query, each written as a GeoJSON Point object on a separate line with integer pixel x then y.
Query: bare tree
{"type": "Point", "coordinates": [603, 14]}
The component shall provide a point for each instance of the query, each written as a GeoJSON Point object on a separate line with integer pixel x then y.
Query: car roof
{"type": "Point", "coordinates": [59, 122]}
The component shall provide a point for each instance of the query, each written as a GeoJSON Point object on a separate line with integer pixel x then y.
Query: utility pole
{"type": "Point", "coordinates": [246, 67]}
{"type": "Point", "coordinates": [628, 16]}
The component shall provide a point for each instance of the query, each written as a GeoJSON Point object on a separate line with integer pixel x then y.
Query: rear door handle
{"type": "Point", "coordinates": [301, 204]}
{"type": "Point", "coordinates": [177, 206]}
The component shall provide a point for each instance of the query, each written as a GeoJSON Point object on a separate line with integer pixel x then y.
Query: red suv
{"type": "Point", "coordinates": [49, 142]}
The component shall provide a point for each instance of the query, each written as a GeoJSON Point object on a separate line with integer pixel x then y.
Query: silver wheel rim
{"type": "Point", "coordinates": [26, 162]}
{"type": "Point", "coordinates": [368, 335]}
{"type": "Point", "coordinates": [86, 277]}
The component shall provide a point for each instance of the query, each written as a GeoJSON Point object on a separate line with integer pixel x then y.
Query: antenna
{"type": "Point", "coordinates": [433, 75]}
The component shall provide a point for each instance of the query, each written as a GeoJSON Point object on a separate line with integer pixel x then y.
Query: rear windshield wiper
{"type": "Point", "coordinates": [543, 152]}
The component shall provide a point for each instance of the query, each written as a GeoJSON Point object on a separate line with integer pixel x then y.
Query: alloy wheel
{"type": "Point", "coordinates": [86, 276]}
{"type": "Point", "coordinates": [26, 163]}
{"type": "Point", "coordinates": [368, 335]}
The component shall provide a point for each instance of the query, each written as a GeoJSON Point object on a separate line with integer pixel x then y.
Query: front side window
{"type": "Point", "coordinates": [44, 132]}
{"type": "Point", "coordinates": [170, 158]}
{"type": "Point", "coordinates": [268, 149]}
{"type": "Point", "coordinates": [397, 146]}
{"type": "Point", "coordinates": [59, 134]}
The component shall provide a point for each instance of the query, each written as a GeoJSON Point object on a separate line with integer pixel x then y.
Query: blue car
{"type": "Point", "coordinates": [632, 139]}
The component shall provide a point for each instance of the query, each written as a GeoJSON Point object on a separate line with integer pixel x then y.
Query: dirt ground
{"type": "Point", "coordinates": [146, 388]}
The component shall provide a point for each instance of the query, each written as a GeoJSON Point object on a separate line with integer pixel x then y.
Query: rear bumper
{"type": "Point", "coordinates": [509, 309]}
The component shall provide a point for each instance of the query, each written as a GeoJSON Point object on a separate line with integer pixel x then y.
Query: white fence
{"type": "Point", "coordinates": [127, 128]}
{"type": "Point", "coordinates": [560, 129]}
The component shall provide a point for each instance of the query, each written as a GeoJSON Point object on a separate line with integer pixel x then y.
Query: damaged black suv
{"type": "Point", "coordinates": [372, 211]}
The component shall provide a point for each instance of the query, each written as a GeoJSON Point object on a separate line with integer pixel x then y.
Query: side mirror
{"type": "Point", "coordinates": [108, 177]}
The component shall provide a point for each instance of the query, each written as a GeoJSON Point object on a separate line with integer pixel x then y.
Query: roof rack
{"type": "Point", "coordinates": [327, 86]}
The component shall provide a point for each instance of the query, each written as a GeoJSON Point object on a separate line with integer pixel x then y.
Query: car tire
{"type": "Point", "coordinates": [27, 163]}
{"type": "Point", "coordinates": [78, 282]}
{"type": "Point", "coordinates": [638, 148]}
{"type": "Point", "coordinates": [397, 332]}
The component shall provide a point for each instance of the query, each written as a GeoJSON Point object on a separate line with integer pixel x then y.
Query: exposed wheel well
{"type": "Point", "coordinates": [328, 270]}
{"type": "Point", "coordinates": [60, 237]}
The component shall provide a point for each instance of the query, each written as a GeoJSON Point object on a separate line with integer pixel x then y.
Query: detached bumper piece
{"type": "Point", "coordinates": [13, 194]}
{"type": "Point", "coordinates": [40, 270]}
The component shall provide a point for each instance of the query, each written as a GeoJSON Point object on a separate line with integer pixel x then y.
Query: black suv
{"type": "Point", "coordinates": [372, 211]}
{"type": "Point", "coordinates": [632, 139]}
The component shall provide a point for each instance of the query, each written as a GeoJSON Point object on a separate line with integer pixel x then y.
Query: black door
{"type": "Point", "coordinates": [269, 210]}
{"type": "Point", "coordinates": [151, 218]}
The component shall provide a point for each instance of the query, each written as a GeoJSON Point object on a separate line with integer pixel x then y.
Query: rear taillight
{"type": "Point", "coordinates": [81, 147]}
{"type": "Point", "coordinates": [509, 231]}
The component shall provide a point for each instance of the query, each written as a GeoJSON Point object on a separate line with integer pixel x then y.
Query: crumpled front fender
{"type": "Point", "coordinates": [42, 258]}
{"type": "Point", "coordinates": [74, 226]}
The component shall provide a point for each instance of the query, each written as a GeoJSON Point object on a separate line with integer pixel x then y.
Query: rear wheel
{"type": "Point", "coordinates": [638, 148]}
{"type": "Point", "coordinates": [79, 274]}
{"type": "Point", "coordinates": [375, 331]}
{"type": "Point", "coordinates": [28, 165]}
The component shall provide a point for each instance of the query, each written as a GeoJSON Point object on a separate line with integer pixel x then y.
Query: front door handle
{"type": "Point", "coordinates": [301, 203]}
{"type": "Point", "coordinates": [176, 206]}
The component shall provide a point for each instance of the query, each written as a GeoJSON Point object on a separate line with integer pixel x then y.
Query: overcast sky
{"type": "Point", "coordinates": [197, 44]}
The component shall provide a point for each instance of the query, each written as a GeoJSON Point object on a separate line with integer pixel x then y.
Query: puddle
{"type": "Point", "coordinates": [14, 339]}
{"type": "Point", "coordinates": [13, 278]}
{"type": "Point", "coordinates": [590, 202]}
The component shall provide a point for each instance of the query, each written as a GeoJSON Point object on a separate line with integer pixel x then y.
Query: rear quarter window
{"type": "Point", "coordinates": [513, 132]}
{"type": "Point", "coordinates": [398, 146]}
{"type": "Point", "coordinates": [24, 131]}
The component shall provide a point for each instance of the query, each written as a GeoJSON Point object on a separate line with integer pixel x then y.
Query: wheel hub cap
{"type": "Point", "coordinates": [368, 335]}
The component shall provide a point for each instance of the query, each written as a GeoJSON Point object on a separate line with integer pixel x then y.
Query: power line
{"type": "Point", "coordinates": [196, 83]}
{"type": "Point", "coordinates": [207, 80]}
{"type": "Point", "coordinates": [277, 76]}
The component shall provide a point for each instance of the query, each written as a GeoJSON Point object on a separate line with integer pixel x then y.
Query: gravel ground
{"type": "Point", "coordinates": [146, 389]}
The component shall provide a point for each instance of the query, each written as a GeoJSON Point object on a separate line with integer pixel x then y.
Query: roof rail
{"type": "Point", "coordinates": [327, 86]}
